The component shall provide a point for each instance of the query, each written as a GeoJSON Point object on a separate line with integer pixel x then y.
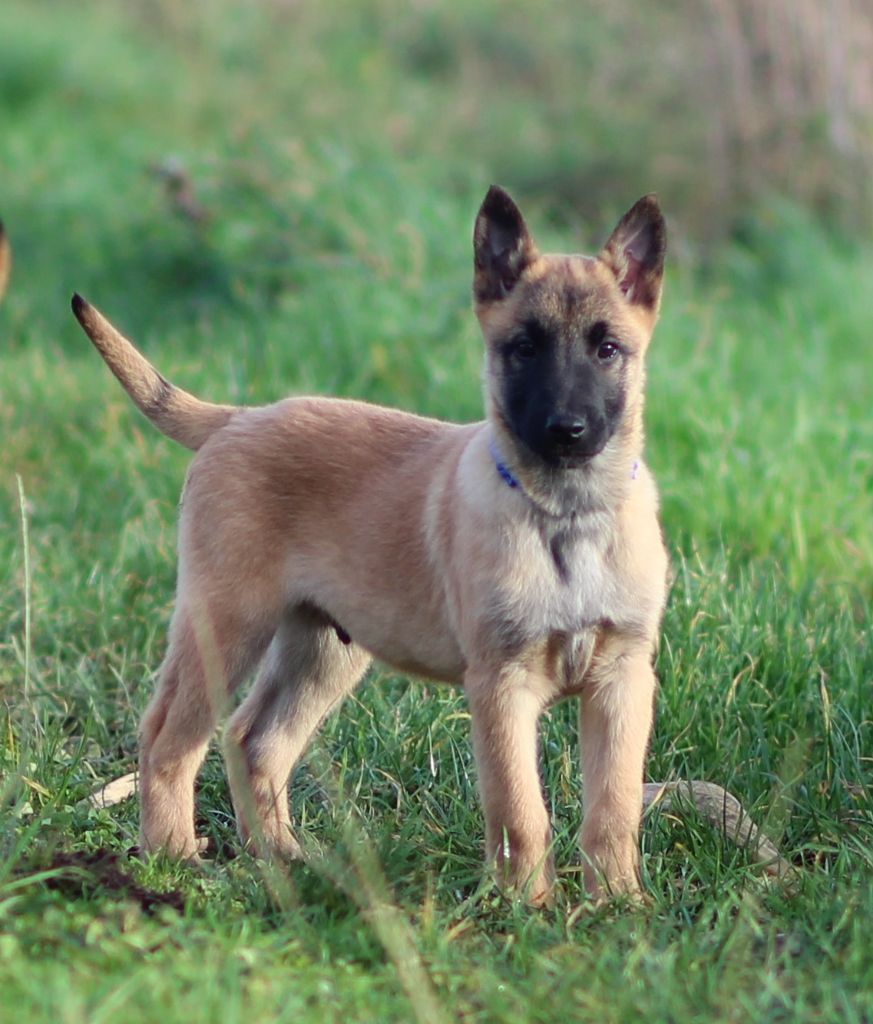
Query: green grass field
{"type": "Point", "coordinates": [337, 161]}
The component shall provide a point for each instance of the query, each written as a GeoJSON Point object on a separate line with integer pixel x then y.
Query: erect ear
{"type": "Point", "coordinates": [502, 246]}
{"type": "Point", "coordinates": [635, 253]}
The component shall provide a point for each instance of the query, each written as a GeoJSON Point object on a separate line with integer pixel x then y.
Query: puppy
{"type": "Point", "coordinates": [520, 557]}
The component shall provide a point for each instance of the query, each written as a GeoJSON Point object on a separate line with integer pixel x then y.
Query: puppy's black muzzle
{"type": "Point", "coordinates": [566, 430]}
{"type": "Point", "coordinates": [570, 439]}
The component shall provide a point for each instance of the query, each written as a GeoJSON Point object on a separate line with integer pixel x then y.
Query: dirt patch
{"type": "Point", "coordinates": [80, 874]}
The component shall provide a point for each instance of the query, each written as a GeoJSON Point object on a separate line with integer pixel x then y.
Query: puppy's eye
{"type": "Point", "coordinates": [607, 351]}
{"type": "Point", "coordinates": [524, 349]}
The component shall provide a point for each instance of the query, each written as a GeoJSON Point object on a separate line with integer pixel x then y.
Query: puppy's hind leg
{"type": "Point", "coordinates": [306, 672]}
{"type": "Point", "coordinates": [205, 662]}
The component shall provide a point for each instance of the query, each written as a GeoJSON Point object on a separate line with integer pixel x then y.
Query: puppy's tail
{"type": "Point", "coordinates": [174, 412]}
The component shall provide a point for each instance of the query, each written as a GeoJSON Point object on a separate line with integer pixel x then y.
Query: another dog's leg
{"type": "Point", "coordinates": [306, 672]}
{"type": "Point", "coordinates": [505, 713]}
{"type": "Point", "coordinates": [201, 667]}
{"type": "Point", "coordinates": [615, 723]}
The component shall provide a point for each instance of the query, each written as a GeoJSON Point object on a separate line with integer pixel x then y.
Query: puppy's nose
{"type": "Point", "coordinates": [565, 429]}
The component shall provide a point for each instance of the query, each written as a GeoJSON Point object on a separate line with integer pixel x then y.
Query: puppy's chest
{"type": "Point", "coordinates": [558, 582]}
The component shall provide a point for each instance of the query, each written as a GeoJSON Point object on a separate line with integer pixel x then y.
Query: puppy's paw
{"type": "Point", "coordinates": [615, 882]}
{"type": "Point", "coordinates": [187, 855]}
{"type": "Point", "coordinates": [530, 883]}
{"type": "Point", "coordinates": [280, 846]}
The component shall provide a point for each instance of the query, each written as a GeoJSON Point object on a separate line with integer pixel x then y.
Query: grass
{"type": "Point", "coordinates": [340, 185]}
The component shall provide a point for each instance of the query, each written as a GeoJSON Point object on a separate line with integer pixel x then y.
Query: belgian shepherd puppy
{"type": "Point", "coordinates": [520, 557]}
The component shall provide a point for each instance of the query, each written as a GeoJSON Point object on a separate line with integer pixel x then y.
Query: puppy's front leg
{"type": "Point", "coordinates": [505, 709]}
{"type": "Point", "coordinates": [615, 722]}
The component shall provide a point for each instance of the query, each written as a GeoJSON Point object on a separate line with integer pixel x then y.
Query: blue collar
{"type": "Point", "coordinates": [512, 481]}
{"type": "Point", "coordinates": [502, 469]}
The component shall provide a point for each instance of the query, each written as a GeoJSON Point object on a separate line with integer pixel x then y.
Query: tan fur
{"type": "Point", "coordinates": [314, 519]}
{"type": "Point", "coordinates": [173, 411]}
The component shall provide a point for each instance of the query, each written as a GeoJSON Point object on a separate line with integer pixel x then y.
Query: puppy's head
{"type": "Point", "coordinates": [566, 335]}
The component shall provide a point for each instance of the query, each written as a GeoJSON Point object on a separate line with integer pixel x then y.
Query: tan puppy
{"type": "Point", "coordinates": [520, 556]}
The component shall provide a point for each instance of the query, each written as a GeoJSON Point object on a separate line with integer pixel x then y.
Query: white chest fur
{"type": "Point", "coordinates": [531, 577]}
{"type": "Point", "coordinates": [554, 580]}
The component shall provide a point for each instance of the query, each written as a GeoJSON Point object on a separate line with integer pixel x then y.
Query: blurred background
{"type": "Point", "coordinates": [243, 121]}
{"type": "Point", "coordinates": [278, 196]}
